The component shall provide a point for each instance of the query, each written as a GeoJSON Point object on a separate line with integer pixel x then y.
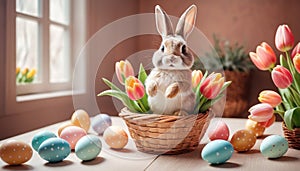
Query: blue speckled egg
{"type": "Point", "coordinates": [100, 123]}
{"type": "Point", "coordinates": [88, 147]}
{"type": "Point", "coordinates": [54, 150]}
{"type": "Point", "coordinates": [217, 152]}
{"type": "Point", "coordinates": [40, 137]}
{"type": "Point", "coordinates": [274, 146]}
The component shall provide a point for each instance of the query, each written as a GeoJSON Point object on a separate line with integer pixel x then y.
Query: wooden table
{"type": "Point", "coordinates": [132, 160]}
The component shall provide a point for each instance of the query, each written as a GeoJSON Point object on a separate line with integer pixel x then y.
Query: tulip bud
{"type": "Point", "coordinates": [270, 97]}
{"type": "Point", "coordinates": [284, 39]}
{"type": "Point", "coordinates": [25, 71]}
{"type": "Point", "coordinates": [18, 69]}
{"type": "Point", "coordinates": [296, 61]}
{"type": "Point", "coordinates": [281, 77]}
{"type": "Point", "coordinates": [296, 50]}
{"type": "Point", "coordinates": [123, 70]}
{"type": "Point", "coordinates": [196, 78]}
{"type": "Point", "coordinates": [264, 58]}
{"type": "Point", "coordinates": [31, 74]}
{"type": "Point", "coordinates": [261, 112]}
{"type": "Point", "coordinates": [134, 88]}
{"type": "Point", "coordinates": [212, 85]}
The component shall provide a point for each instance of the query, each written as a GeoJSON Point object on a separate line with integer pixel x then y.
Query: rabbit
{"type": "Point", "coordinates": [169, 84]}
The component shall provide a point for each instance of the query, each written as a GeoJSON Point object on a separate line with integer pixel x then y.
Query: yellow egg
{"type": "Point", "coordinates": [115, 137]}
{"type": "Point", "coordinates": [255, 127]}
{"type": "Point", "coordinates": [81, 118]}
{"type": "Point", "coordinates": [63, 126]}
{"type": "Point", "coordinates": [15, 152]}
{"type": "Point", "coordinates": [243, 140]}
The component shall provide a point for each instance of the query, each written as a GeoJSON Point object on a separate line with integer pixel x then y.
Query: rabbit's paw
{"type": "Point", "coordinates": [152, 89]}
{"type": "Point", "coordinates": [172, 90]}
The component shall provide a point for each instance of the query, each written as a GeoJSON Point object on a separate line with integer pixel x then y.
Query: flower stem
{"type": "Point", "coordinates": [280, 113]}
{"type": "Point", "coordinates": [142, 106]}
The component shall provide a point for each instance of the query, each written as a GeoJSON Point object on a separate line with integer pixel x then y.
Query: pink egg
{"type": "Point", "coordinates": [220, 131]}
{"type": "Point", "coordinates": [72, 134]}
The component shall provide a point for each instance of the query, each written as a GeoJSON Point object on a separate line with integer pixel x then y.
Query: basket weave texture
{"type": "Point", "coordinates": [292, 136]}
{"type": "Point", "coordinates": [166, 134]}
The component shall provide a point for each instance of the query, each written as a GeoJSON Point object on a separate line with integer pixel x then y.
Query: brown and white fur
{"type": "Point", "coordinates": [169, 83]}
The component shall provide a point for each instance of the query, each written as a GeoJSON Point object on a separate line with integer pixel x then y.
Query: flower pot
{"type": "Point", "coordinates": [292, 136]}
{"type": "Point", "coordinates": [166, 134]}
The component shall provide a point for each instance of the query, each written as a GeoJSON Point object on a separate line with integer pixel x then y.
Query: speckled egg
{"type": "Point", "coordinates": [100, 123]}
{"type": "Point", "coordinates": [40, 137]}
{"type": "Point", "coordinates": [54, 150]}
{"type": "Point", "coordinates": [243, 140]}
{"type": "Point", "coordinates": [63, 126]}
{"type": "Point", "coordinates": [255, 127]}
{"type": "Point", "coordinates": [88, 147]}
{"type": "Point", "coordinates": [81, 118]}
{"type": "Point", "coordinates": [15, 152]}
{"type": "Point", "coordinates": [72, 134]}
{"type": "Point", "coordinates": [115, 137]}
{"type": "Point", "coordinates": [220, 131]}
{"type": "Point", "coordinates": [217, 152]}
{"type": "Point", "coordinates": [274, 146]}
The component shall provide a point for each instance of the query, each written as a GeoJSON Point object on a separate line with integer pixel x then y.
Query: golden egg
{"type": "Point", "coordinates": [255, 127]}
{"type": "Point", "coordinates": [15, 152]}
{"type": "Point", "coordinates": [115, 137]}
{"type": "Point", "coordinates": [81, 118]}
{"type": "Point", "coordinates": [243, 140]}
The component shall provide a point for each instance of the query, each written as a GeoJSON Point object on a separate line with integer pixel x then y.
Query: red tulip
{"type": "Point", "coordinates": [134, 88]}
{"type": "Point", "coordinates": [269, 122]}
{"type": "Point", "coordinates": [270, 97]}
{"type": "Point", "coordinates": [284, 39]}
{"type": "Point", "coordinates": [212, 85]}
{"type": "Point", "coordinates": [261, 112]}
{"type": "Point", "coordinates": [264, 58]}
{"type": "Point", "coordinates": [281, 77]}
{"type": "Point", "coordinates": [123, 70]}
{"type": "Point", "coordinates": [296, 50]}
{"type": "Point", "coordinates": [196, 78]}
{"type": "Point", "coordinates": [296, 61]}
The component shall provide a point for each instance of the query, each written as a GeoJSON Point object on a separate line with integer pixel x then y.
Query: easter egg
{"type": "Point", "coordinates": [243, 140]}
{"type": "Point", "coordinates": [54, 150]}
{"type": "Point", "coordinates": [63, 126]}
{"type": "Point", "coordinates": [274, 146]}
{"type": "Point", "coordinates": [40, 137]}
{"type": "Point", "coordinates": [72, 134]}
{"type": "Point", "coordinates": [15, 152]}
{"type": "Point", "coordinates": [221, 131]}
{"type": "Point", "coordinates": [81, 118]}
{"type": "Point", "coordinates": [88, 147]}
{"type": "Point", "coordinates": [100, 123]}
{"type": "Point", "coordinates": [217, 152]}
{"type": "Point", "coordinates": [115, 137]}
{"type": "Point", "coordinates": [255, 127]}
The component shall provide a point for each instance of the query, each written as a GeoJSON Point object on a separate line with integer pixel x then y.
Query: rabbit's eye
{"type": "Point", "coordinates": [162, 48]}
{"type": "Point", "coordinates": [183, 49]}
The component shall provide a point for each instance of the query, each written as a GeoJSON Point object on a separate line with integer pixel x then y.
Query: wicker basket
{"type": "Point", "coordinates": [166, 134]}
{"type": "Point", "coordinates": [292, 136]}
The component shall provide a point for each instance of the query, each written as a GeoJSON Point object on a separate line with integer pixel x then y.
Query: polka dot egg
{"type": "Point", "coordinates": [81, 118]}
{"type": "Point", "coordinates": [72, 134]}
{"type": "Point", "coordinates": [40, 137]}
{"type": "Point", "coordinates": [100, 123]}
{"type": "Point", "coordinates": [88, 147]}
{"type": "Point", "coordinates": [217, 152]}
{"type": "Point", "coordinates": [255, 127]}
{"type": "Point", "coordinates": [54, 150]}
{"type": "Point", "coordinates": [15, 152]}
{"type": "Point", "coordinates": [220, 131]}
{"type": "Point", "coordinates": [243, 140]}
{"type": "Point", "coordinates": [63, 126]}
{"type": "Point", "coordinates": [115, 137]}
{"type": "Point", "coordinates": [274, 146]}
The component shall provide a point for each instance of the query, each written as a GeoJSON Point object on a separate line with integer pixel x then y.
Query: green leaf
{"type": "Point", "coordinates": [111, 85]}
{"type": "Point", "coordinates": [142, 74]}
{"type": "Point", "coordinates": [292, 118]}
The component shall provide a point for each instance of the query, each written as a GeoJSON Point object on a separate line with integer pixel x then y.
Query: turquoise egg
{"type": "Point", "coordinates": [217, 152]}
{"type": "Point", "coordinates": [100, 123]}
{"type": "Point", "coordinates": [88, 147]}
{"type": "Point", "coordinates": [40, 137]}
{"type": "Point", "coordinates": [54, 150]}
{"type": "Point", "coordinates": [274, 146]}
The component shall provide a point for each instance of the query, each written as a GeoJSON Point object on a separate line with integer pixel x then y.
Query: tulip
{"type": "Point", "coordinates": [123, 70]}
{"type": "Point", "coordinates": [284, 39]}
{"type": "Point", "coordinates": [264, 58]}
{"type": "Point", "coordinates": [18, 69]}
{"type": "Point", "coordinates": [296, 61]}
{"type": "Point", "coordinates": [25, 71]}
{"type": "Point", "coordinates": [269, 122]}
{"type": "Point", "coordinates": [196, 78]}
{"type": "Point", "coordinates": [270, 97]}
{"type": "Point", "coordinates": [31, 74]}
{"type": "Point", "coordinates": [134, 88]}
{"type": "Point", "coordinates": [261, 112]}
{"type": "Point", "coordinates": [296, 50]}
{"type": "Point", "coordinates": [281, 77]}
{"type": "Point", "coordinates": [212, 85]}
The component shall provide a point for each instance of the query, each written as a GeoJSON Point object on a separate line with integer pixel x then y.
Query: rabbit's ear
{"type": "Point", "coordinates": [163, 22]}
{"type": "Point", "coordinates": [186, 22]}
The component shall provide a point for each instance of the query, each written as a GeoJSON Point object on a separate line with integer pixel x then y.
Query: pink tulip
{"type": "Point", "coordinates": [270, 97]}
{"type": "Point", "coordinates": [281, 77]}
{"type": "Point", "coordinates": [264, 58]}
{"type": "Point", "coordinates": [296, 61]}
{"type": "Point", "coordinates": [296, 50]}
{"type": "Point", "coordinates": [196, 78]}
{"type": "Point", "coordinates": [134, 88]}
{"type": "Point", "coordinates": [284, 39]}
{"type": "Point", "coordinates": [212, 85]}
{"type": "Point", "coordinates": [261, 112]}
{"type": "Point", "coordinates": [123, 70]}
{"type": "Point", "coordinates": [269, 122]}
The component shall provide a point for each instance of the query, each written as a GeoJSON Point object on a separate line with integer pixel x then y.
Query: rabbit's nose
{"type": "Point", "coordinates": [173, 59]}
